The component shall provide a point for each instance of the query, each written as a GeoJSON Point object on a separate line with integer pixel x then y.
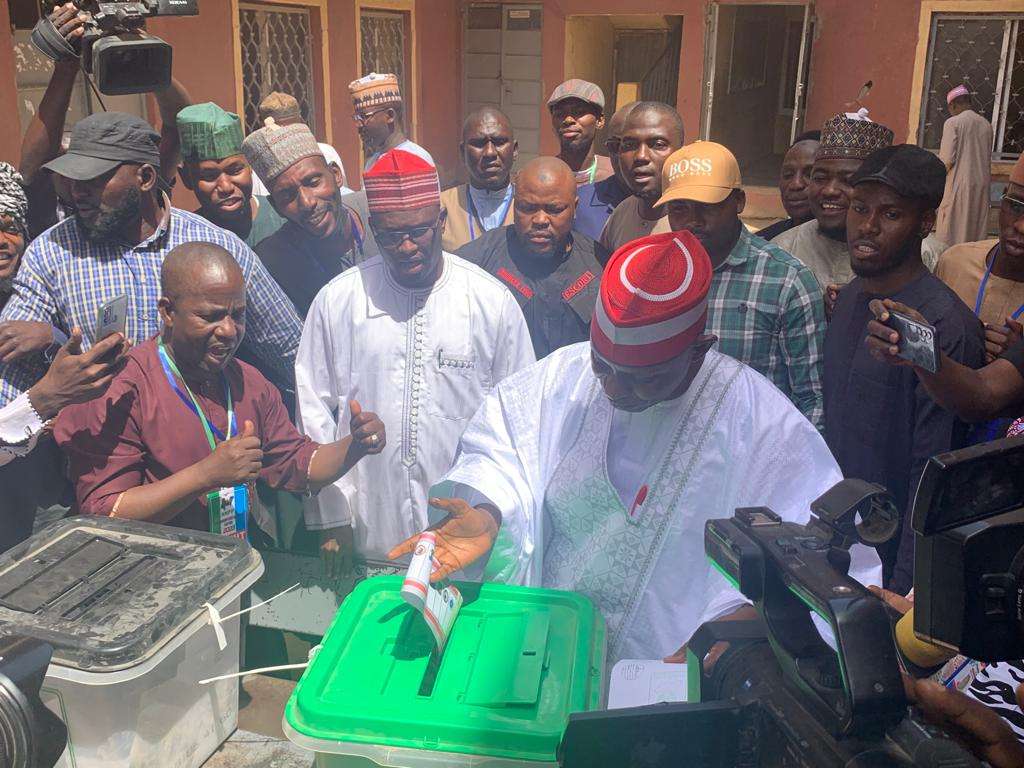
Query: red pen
{"type": "Point", "coordinates": [641, 497]}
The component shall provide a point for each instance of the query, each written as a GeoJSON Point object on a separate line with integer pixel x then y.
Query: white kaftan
{"type": "Point", "coordinates": [423, 361]}
{"type": "Point", "coordinates": [561, 464]}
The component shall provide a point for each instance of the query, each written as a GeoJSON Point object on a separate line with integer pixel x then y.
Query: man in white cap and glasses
{"type": "Point", "coordinates": [967, 152]}
{"type": "Point", "coordinates": [596, 469]}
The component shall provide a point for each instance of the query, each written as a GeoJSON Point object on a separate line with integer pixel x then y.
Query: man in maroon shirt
{"type": "Point", "coordinates": [185, 420]}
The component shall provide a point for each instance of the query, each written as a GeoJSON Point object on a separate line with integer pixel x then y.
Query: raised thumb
{"type": "Point", "coordinates": [248, 429]}
{"type": "Point", "coordinates": [354, 408]}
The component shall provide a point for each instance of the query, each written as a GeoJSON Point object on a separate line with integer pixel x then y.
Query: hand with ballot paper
{"type": "Point", "coordinates": [464, 536]}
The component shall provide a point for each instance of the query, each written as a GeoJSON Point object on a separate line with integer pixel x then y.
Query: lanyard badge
{"type": "Point", "coordinates": [228, 508]}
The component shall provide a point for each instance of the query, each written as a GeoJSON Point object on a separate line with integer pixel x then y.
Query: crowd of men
{"type": "Point", "coordinates": [566, 365]}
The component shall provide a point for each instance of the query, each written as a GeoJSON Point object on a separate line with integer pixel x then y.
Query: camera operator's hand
{"type": "Point", "coordinates": [969, 721]}
{"type": "Point", "coordinates": [69, 21]}
{"type": "Point", "coordinates": [743, 613]}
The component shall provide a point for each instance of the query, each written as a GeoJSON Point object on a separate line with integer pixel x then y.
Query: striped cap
{"type": "Point", "coordinates": [374, 90]}
{"type": "Point", "coordinates": [401, 181]}
{"type": "Point", "coordinates": [654, 300]}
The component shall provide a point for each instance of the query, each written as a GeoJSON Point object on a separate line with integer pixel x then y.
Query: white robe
{"type": "Point", "coordinates": [564, 468]}
{"type": "Point", "coordinates": [423, 361]}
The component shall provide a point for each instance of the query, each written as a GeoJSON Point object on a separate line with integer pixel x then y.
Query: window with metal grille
{"type": "Point", "coordinates": [276, 56]}
{"type": "Point", "coordinates": [986, 53]}
{"type": "Point", "coordinates": [382, 45]}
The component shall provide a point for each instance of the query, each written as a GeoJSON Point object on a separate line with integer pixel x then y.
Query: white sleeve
{"type": "Point", "coordinates": [20, 427]}
{"type": "Point", "coordinates": [316, 407]}
{"type": "Point", "coordinates": [515, 349]}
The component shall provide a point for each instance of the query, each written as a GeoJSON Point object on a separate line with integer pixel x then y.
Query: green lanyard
{"type": "Point", "coordinates": [171, 370]}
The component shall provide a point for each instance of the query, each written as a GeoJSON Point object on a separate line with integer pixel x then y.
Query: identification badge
{"type": "Point", "coordinates": [229, 511]}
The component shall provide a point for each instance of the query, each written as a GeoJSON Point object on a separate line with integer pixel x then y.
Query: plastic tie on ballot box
{"type": "Point", "coordinates": [216, 619]}
{"type": "Point", "coordinates": [280, 668]}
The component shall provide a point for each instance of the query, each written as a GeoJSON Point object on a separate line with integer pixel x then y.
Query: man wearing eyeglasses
{"type": "Point", "coordinates": [427, 333]}
{"type": "Point", "coordinates": [377, 111]}
{"type": "Point", "coordinates": [598, 200]}
{"type": "Point", "coordinates": [988, 275]}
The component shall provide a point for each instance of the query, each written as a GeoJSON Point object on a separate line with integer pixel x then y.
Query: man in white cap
{"type": "Point", "coordinates": [599, 466]}
{"type": "Point", "coordinates": [421, 334]}
{"type": "Point", "coordinates": [967, 152]}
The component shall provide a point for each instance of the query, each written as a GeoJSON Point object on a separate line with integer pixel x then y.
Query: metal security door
{"type": "Point", "coordinates": [276, 56]}
{"type": "Point", "coordinates": [503, 67]}
{"type": "Point", "coordinates": [801, 76]}
{"type": "Point", "coordinates": [710, 63]}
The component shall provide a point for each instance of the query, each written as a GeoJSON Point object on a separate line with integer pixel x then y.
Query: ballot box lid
{"type": "Point", "coordinates": [517, 663]}
{"type": "Point", "coordinates": [108, 594]}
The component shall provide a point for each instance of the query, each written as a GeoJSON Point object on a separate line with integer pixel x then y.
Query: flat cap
{"type": "Point", "coordinates": [578, 89]}
{"type": "Point", "coordinates": [908, 170]}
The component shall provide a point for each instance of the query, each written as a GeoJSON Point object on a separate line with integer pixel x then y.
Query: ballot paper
{"type": "Point", "coordinates": [638, 682]}
{"type": "Point", "coordinates": [439, 607]}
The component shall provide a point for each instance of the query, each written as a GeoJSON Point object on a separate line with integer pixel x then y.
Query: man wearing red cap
{"type": "Point", "coordinates": [421, 332]}
{"type": "Point", "coordinates": [596, 469]}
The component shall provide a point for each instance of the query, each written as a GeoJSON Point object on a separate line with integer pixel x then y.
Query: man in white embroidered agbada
{"type": "Point", "coordinates": [424, 333]}
{"type": "Point", "coordinates": [596, 469]}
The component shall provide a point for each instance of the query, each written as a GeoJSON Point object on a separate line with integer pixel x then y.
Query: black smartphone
{"type": "Point", "coordinates": [919, 343]}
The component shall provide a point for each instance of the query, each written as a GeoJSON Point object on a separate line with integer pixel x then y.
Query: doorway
{"type": "Point", "coordinates": [503, 67]}
{"type": "Point", "coordinates": [757, 59]}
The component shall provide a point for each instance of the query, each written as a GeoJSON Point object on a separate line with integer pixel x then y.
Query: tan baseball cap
{"type": "Point", "coordinates": [704, 172]}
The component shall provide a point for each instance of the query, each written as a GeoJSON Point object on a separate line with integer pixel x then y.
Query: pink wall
{"type": "Point", "coordinates": [10, 129]}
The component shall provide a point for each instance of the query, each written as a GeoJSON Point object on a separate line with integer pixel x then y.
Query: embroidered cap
{"type": "Point", "coordinates": [401, 181]}
{"type": "Point", "coordinates": [274, 149]}
{"type": "Point", "coordinates": [208, 133]}
{"type": "Point", "coordinates": [852, 136]}
{"type": "Point", "coordinates": [956, 93]}
{"type": "Point", "coordinates": [654, 300]}
{"type": "Point", "coordinates": [374, 90]}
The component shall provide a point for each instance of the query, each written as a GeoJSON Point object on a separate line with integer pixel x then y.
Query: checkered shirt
{"type": "Point", "coordinates": [766, 309]}
{"type": "Point", "coordinates": [65, 278]}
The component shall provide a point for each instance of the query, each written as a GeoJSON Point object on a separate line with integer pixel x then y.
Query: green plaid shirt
{"type": "Point", "coordinates": [767, 311]}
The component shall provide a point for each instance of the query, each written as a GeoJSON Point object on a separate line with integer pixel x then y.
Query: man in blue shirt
{"type": "Point", "coordinates": [598, 200]}
{"type": "Point", "coordinates": [115, 245]}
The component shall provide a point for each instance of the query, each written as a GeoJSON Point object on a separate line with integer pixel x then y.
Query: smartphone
{"type": "Point", "coordinates": [111, 317]}
{"type": "Point", "coordinates": [918, 341]}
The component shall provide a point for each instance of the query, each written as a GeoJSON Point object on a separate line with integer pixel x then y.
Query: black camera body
{"type": "Point", "coordinates": [968, 521]}
{"type": "Point", "coordinates": [115, 48]}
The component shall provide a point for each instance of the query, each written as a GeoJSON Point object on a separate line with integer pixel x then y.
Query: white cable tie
{"type": "Point", "coordinates": [260, 671]}
{"type": "Point", "coordinates": [259, 605]}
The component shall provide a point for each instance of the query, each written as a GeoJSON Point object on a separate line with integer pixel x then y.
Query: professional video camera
{"type": "Point", "coordinates": [780, 696]}
{"type": "Point", "coordinates": [115, 48]}
{"type": "Point", "coordinates": [968, 521]}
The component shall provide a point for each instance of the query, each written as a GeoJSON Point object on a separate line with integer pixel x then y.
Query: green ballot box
{"type": "Point", "coordinates": [517, 663]}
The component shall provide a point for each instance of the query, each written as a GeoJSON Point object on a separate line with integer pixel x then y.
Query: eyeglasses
{"type": "Point", "coordinates": [1013, 206]}
{"type": "Point", "coordinates": [393, 238]}
{"type": "Point", "coordinates": [361, 118]}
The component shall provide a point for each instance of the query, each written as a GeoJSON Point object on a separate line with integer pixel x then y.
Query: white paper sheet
{"type": "Point", "coordinates": [638, 682]}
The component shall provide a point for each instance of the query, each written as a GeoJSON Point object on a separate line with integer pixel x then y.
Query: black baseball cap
{"type": "Point", "coordinates": [909, 170]}
{"type": "Point", "coordinates": [101, 142]}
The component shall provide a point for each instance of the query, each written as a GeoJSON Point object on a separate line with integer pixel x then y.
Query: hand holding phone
{"type": "Point", "coordinates": [111, 318]}
{"type": "Point", "coordinates": [919, 342]}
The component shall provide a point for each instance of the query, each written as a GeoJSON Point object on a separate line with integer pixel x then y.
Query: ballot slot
{"type": "Point", "coordinates": [38, 582]}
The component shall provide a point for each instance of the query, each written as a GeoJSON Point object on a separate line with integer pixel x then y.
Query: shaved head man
{"type": "Point", "coordinates": [228, 423]}
{"type": "Point", "coordinates": [598, 200]}
{"type": "Point", "coordinates": [489, 150]}
{"type": "Point", "coordinates": [552, 271]}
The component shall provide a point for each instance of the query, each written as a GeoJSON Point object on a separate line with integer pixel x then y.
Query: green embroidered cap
{"type": "Point", "coordinates": [209, 133]}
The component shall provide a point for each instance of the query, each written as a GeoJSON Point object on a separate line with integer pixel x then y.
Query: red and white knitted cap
{"type": "Point", "coordinates": [401, 181]}
{"type": "Point", "coordinates": [654, 300]}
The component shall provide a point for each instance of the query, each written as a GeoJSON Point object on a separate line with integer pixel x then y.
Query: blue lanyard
{"type": "Point", "coordinates": [170, 369]}
{"type": "Point", "coordinates": [990, 260]}
{"type": "Point", "coordinates": [355, 231]}
{"type": "Point", "coordinates": [472, 213]}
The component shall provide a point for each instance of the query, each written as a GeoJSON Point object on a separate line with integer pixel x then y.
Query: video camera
{"type": "Point", "coordinates": [968, 521]}
{"type": "Point", "coordinates": [115, 48]}
{"type": "Point", "coordinates": [780, 695]}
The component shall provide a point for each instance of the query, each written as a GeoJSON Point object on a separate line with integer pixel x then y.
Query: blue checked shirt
{"type": "Point", "coordinates": [65, 278]}
{"type": "Point", "coordinates": [767, 310]}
